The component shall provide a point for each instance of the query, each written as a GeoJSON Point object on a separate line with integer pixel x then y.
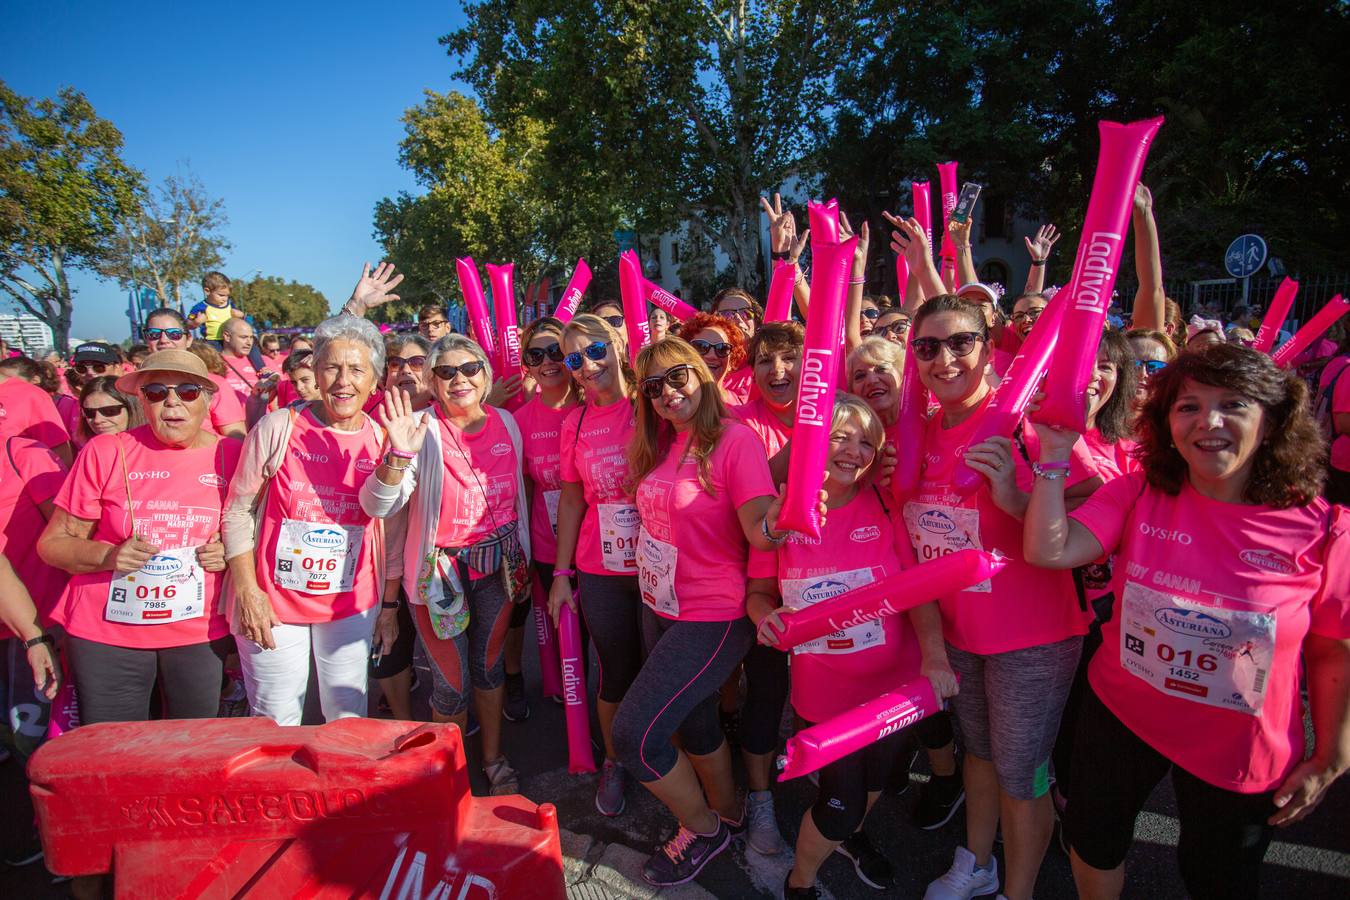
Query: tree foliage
{"type": "Point", "coordinates": [274, 301]}
{"type": "Point", "coordinates": [63, 189]}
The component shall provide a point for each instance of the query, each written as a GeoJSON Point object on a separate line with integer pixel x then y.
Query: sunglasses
{"type": "Point", "coordinates": [154, 334]}
{"type": "Point", "coordinates": [535, 355]}
{"type": "Point", "coordinates": [899, 328]}
{"type": "Point", "coordinates": [595, 352]}
{"type": "Point", "coordinates": [158, 393]}
{"type": "Point", "coordinates": [739, 312]}
{"type": "Point", "coordinates": [411, 362]}
{"type": "Point", "coordinates": [84, 368]}
{"type": "Point", "coordinates": [107, 412]}
{"type": "Point", "coordinates": [676, 376]}
{"type": "Point", "coordinates": [961, 344]}
{"type": "Point", "coordinates": [869, 313]}
{"type": "Point", "coordinates": [448, 373]}
{"type": "Point", "coordinates": [614, 321]}
{"type": "Point", "coordinates": [1150, 366]}
{"type": "Point", "coordinates": [721, 348]}
{"type": "Point", "coordinates": [1028, 315]}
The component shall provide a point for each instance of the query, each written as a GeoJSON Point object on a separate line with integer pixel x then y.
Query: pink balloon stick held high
{"type": "Point", "coordinates": [580, 757]}
{"type": "Point", "coordinates": [823, 219]}
{"type": "Point", "coordinates": [833, 739]}
{"type": "Point", "coordinates": [901, 277]}
{"type": "Point", "coordinates": [1275, 316]}
{"type": "Point", "coordinates": [634, 307]}
{"type": "Point", "coordinates": [778, 307]}
{"type": "Point", "coordinates": [576, 288]}
{"type": "Point", "coordinates": [653, 293]}
{"type": "Point", "coordinates": [923, 208]}
{"type": "Point", "coordinates": [1120, 161]}
{"type": "Point", "coordinates": [475, 304]}
{"type": "Point", "coordinates": [1317, 326]}
{"type": "Point", "coordinates": [550, 664]}
{"type": "Point", "coordinates": [947, 181]}
{"type": "Point", "coordinates": [504, 303]}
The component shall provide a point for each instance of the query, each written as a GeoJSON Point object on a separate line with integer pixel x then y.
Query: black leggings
{"type": "Point", "coordinates": [766, 690]}
{"type": "Point", "coordinates": [1062, 755]}
{"type": "Point", "coordinates": [845, 783]}
{"type": "Point", "coordinates": [677, 690]}
{"type": "Point", "coordinates": [115, 683]}
{"type": "Point", "coordinates": [1224, 834]}
{"type": "Point", "coordinates": [611, 611]}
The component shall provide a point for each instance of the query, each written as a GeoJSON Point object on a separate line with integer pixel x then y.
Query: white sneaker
{"type": "Point", "coordinates": [762, 825]}
{"type": "Point", "coordinates": [963, 880]}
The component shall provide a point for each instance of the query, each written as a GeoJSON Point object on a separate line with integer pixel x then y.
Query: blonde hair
{"type": "Point", "coordinates": [209, 356]}
{"type": "Point", "coordinates": [447, 344]}
{"type": "Point", "coordinates": [1158, 337]}
{"type": "Point", "coordinates": [597, 329]}
{"type": "Point", "coordinates": [654, 434]}
{"type": "Point", "coordinates": [851, 408]}
{"type": "Point", "coordinates": [876, 351]}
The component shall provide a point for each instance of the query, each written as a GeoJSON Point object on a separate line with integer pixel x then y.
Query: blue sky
{"type": "Point", "coordinates": [290, 112]}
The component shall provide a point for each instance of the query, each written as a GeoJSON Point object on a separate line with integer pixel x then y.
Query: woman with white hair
{"type": "Point", "coordinates": [456, 469]}
{"type": "Point", "coordinates": [308, 563]}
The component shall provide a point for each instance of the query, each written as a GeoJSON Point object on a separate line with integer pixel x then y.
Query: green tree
{"type": "Point", "coordinates": [63, 189]}
{"type": "Point", "coordinates": [274, 302]}
{"type": "Point", "coordinates": [173, 238]}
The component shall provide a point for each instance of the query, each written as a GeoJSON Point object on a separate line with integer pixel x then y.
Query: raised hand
{"type": "Point", "coordinates": [782, 225]}
{"type": "Point", "coordinates": [860, 251]}
{"type": "Point", "coordinates": [1043, 243]}
{"type": "Point", "coordinates": [373, 289]}
{"type": "Point", "coordinates": [910, 241]}
{"type": "Point", "coordinates": [1143, 198]}
{"type": "Point", "coordinates": [960, 232]}
{"type": "Point", "coordinates": [407, 429]}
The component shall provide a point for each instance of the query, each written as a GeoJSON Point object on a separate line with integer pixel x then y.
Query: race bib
{"type": "Point", "coordinates": [1196, 651]}
{"type": "Point", "coordinates": [618, 536]}
{"type": "Point", "coordinates": [314, 558]}
{"type": "Point", "coordinates": [551, 499]}
{"type": "Point", "coordinates": [656, 574]}
{"type": "Point", "coordinates": [170, 587]}
{"type": "Point", "coordinates": [936, 531]}
{"type": "Point", "coordinates": [799, 593]}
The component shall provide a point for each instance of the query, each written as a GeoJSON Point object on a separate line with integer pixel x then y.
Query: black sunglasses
{"type": "Point", "coordinates": [960, 344]}
{"type": "Point", "coordinates": [595, 352]}
{"type": "Point", "coordinates": [899, 328]}
{"type": "Point", "coordinates": [721, 348]}
{"type": "Point", "coordinates": [411, 362]}
{"type": "Point", "coordinates": [84, 368]}
{"type": "Point", "coordinates": [535, 355]}
{"type": "Point", "coordinates": [158, 393]}
{"type": "Point", "coordinates": [870, 313]}
{"type": "Point", "coordinates": [614, 321]}
{"type": "Point", "coordinates": [154, 334]}
{"type": "Point", "coordinates": [448, 373]}
{"type": "Point", "coordinates": [107, 412]}
{"type": "Point", "coordinates": [676, 376]}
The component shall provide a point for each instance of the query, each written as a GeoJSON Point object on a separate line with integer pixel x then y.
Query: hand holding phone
{"type": "Point", "coordinates": [965, 203]}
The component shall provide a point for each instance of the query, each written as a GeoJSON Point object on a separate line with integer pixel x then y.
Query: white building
{"type": "Point", "coordinates": [26, 333]}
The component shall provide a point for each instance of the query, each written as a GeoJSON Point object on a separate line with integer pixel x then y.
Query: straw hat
{"type": "Point", "coordinates": [181, 363]}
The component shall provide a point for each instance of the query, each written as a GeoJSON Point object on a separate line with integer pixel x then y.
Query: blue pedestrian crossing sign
{"type": "Point", "coordinates": [1245, 256]}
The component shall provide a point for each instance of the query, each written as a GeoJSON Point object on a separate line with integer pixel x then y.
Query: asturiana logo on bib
{"type": "Point", "coordinates": [651, 552]}
{"type": "Point", "coordinates": [211, 479]}
{"type": "Point", "coordinates": [326, 538]}
{"type": "Point", "coordinates": [1268, 561]}
{"type": "Point", "coordinates": [864, 534]}
{"type": "Point", "coordinates": [936, 522]}
{"type": "Point", "coordinates": [1164, 534]}
{"type": "Point", "coordinates": [824, 590]}
{"type": "Point", "coordinates": [161, 565]}
{"type": "Point", "coordinates": [501, 449]}
{"type": "Point", "coordinates": [1192, 623]}
{"type": "Point", "coordinates": [627, 517]}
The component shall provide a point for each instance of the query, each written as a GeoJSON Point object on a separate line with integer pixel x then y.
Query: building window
{"type": "Point", "coordinates": [994, 271]}
{"type": "Point", "coordinates": [674, 253]}
{"type": "Point", "coordinates": [996, 220]}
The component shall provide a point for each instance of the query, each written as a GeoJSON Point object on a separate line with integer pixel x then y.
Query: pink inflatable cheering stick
{"type": "Point", "coordinates": [778, 306]}
{"type": "Point", "coordinates": [815, 389]}
{"type": "Point", "coordinates": [504, 303]}
{"type": "Point", "coordinates": [909, 428]}
{"type": "Point", "coordinates": [65, 709]}
{"type": "Point", "coordinates": [901, 276]}
{"type": "Point", "coordinates": [1015, 391]}
{"type": "Point", "coordinates": [911, 587]}
{"type": "Point", "coordinates": [634, 308]}
{"type": "Point", "coordinates": [947, 181]}
{"type": "Point", "coordinates": [576, 288]}
{"type": "Point", "coordinates": [653, 293]}
{"type": "Point", "coordinates": [1120, 161]}
{"type": "Point", "coordinates": [471, 286]}
{"type": "Point", "coordinates": [1275, 316]}
{"type": "Point", "coordinates": [923, 208]}
{"type": "Point", "coordinates": [550, 666]}
{"type": "Point", "coordinates": [580, 757]}
{"type": "Point", "coordinates": [823, 743]}
{"type": "Point", "coordinates": [824, 222]}
{"type": "Point", "coordinates": [1317, 326]}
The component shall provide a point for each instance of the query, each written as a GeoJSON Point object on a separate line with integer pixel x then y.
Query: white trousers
{"type": "Point", "coordinates": [276, 679]}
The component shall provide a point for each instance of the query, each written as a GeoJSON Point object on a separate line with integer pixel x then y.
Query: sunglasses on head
{"type": "Point", "coordinates": [84, 368]}
{"type": "Point", "coordinates": [614, 321]}
{"type": "Point", "coordinates": [870, 313]}
{"type": "Point", "coordinates": [411, 362]}
{"type": "Point", "coordinates": [721, 348]}
{"type": "Point", "coordinates": [676, 376]}
{"type": "Point", "coordinates": [1150, 366]}
{"type": "Point", "coordinates": [158, 393]}
{"type": "Point", "coordinates": [595, 352]}
{"type": "Point", "coordinates": [961, 344]}
{"type": "Point", "coordinates": [535, 356]}
{"type": "Point", "coordinates": [107, 412]}
{"type": "Point", "coordinates": [154, 334]}
{"type": "Point", "coordinates": [448, 373]}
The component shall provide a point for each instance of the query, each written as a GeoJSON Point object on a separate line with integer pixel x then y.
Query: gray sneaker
{"type": "Point", "coordinates": [762, 832]}
{"type": "Point", "coordinates": [609, 790]}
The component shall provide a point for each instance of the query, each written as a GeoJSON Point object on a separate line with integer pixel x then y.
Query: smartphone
{"type": "Point", "coordinates": [970, 192]}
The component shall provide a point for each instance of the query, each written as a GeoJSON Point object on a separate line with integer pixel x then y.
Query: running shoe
{"type": "Point", "coordinates": [796, 893]}
{"type": "Point", "coordinates": [964, 879]}
{"type": "Point", "coordinates": [516, 708]}
{"type": "Point", "coordinates": [939, 799]}
{"type": "Point", "coordinates": [610, 789]}
{"type": "Point", "coordinates": [685, 855]}
{"type": "Point", "coordinates": [761, 824]}
{"type": "Point", "coordinates": [874, 870]}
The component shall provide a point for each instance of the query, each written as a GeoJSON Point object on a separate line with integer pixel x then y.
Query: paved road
{"type": "Point", "coordinates": [1309, 861]}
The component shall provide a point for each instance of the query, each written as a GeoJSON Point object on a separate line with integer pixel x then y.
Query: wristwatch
{"type": "Point", "coordinates": [40, 639]}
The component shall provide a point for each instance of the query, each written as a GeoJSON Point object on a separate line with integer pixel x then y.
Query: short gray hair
{"type": "Point", "coordinates": [350, 328]}
{"type": "Point", "coordinates": [877, 351]}
{"type": "Point", "coordinates": [466, 344]}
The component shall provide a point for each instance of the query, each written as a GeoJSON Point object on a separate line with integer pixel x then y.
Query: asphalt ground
{"type": "Point", "coordinates": [1310, 860]}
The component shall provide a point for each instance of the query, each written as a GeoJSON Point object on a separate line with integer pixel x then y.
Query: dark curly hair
{"type": "Point", "coordinates": [1113, 419]}
{"type": "Point", "coordinates": [1288, 468]}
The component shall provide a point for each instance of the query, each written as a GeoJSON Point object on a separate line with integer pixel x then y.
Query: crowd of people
{"type": "Point", "coordinates": [1174, 581]}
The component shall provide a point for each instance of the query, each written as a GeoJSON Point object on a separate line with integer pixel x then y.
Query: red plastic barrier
{"type": "Point", "coordinates": [248, 808]}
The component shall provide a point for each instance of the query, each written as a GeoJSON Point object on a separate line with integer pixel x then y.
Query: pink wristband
{"type": "Point", "coordinates": [402, 454]}
{"type": "Point", "coordinates": [1055, 465]}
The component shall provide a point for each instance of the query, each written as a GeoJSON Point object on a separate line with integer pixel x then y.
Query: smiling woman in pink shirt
{"type": "Point", "coordinates": [1229, 572]}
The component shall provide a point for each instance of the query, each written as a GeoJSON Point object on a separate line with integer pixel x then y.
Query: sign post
{"type": "Point", "coordinates": [1244, 258]}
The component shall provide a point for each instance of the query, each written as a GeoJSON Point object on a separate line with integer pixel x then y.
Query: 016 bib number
{"type": "Point", "coordinates": [315, 558]}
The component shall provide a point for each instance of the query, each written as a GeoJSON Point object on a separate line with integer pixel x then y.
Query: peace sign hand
{"type": "Point", "coordinates": [782, 225]}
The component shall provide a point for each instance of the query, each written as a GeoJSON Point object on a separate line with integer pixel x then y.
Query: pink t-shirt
{"type": "Point", "coordinates": [1340, 403]}
{"type": "Point", "coordinates": [541, 434]}
{"type": "Point", "coordinates": [69, 409]}
{"type": "Point", "coordinates": [594, 452]}
{"type": "Point", "coordinates": [1021, 606]}
{"type": "Point", "coordinates": [28, 410]}
{"type": "Point", "coordinates": [760, 419]}
{"type": "Point", "coordinates": [1213, 602]}
{"type": "Point", "coordinates": [703, 548]}
{"type": "Point", "coordinates": [226, 408]}
{"type": "Point", "coordinates": [239, 375]}
{"type": "Point", "coordinates": [858, 546]}
{"type": "Point", "coordinates": [30, 475]}
{"type": "Point", "coordinates": [315, 555]}
{"type": "Point", "coordinates": [740, 384]}
{"type": "Point", "coordinates": [1110, 460]}
{"type": "Point", "coordinates": [478, 494]}
{"type": "Point", "coordinates": [176, 496]}
{"type": "Point", "coordinates": [1001, 361]}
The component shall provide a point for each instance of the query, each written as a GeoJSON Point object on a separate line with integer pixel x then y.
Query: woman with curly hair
{"type": "Point", "coordinates": [1229, 570]}
{"type": "Point", "coordinates": [721, 344]}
